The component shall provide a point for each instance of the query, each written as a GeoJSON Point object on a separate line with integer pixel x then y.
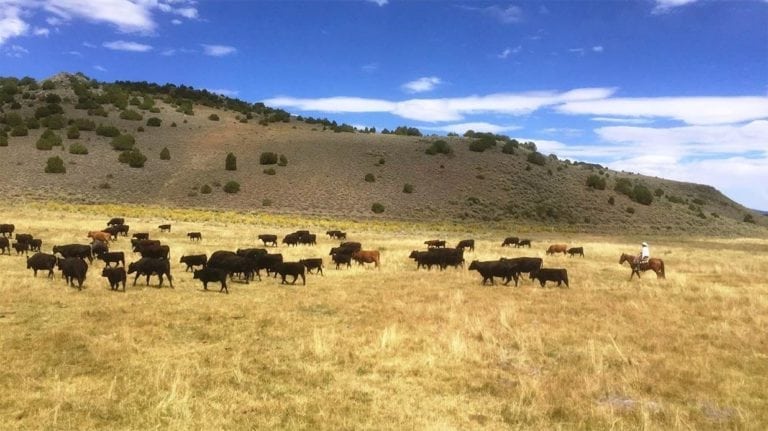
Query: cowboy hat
{"type": "Point", "coordinates": [645, 244]}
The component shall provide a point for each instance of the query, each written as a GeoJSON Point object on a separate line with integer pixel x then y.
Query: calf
{"type": "Point", "coordinates": [36, 244]}
{"type": "Point", "coordinates": [117, 257]}
{"type": "Point", "coordinates": [295, 269]}
{"type": "Point", "coordinates": [21, 247]}
{"type": "Point", "coordinates": [73, 268]}
{"type": "Point", "coordinates": [151, 266]}
{"type": "Point", "coordinates": [42, 261]}
{"type": "Point", "coordinates": [141, 235]}
{"type": "Point", "coordinates": [207, 275]}
{"type": "Point", "coordinates": [435, 243]}
{"type": "Point", "coordinates": [341, 259]}
{"type": "Point", "coordinates": [5, 245]}
{"type": "Point", "coordinates": [314, 263]}
{"type": "Point", "coordinates": [523, 242]}
{"type": "Point", "coordinates": [560, 275]}
{"type": "Point", "coordinates": [195, 236]}
{"type": "Point", "coordinates": [573, 251]}
{"type": "Point", "coordinates": [164, 228]}
{"type": "Point", "coordinates": [115, 276]}
{"type": "Point", "coordinates": [99, 235]}
{"type": "Point", "coordinates": [194, 260]}
{"type": "Point", "coordinates": [466, 243]}
{"type": "Point", "coordinates": [268, 239]}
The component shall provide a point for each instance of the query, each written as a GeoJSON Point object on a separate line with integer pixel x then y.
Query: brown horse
{"type": "Point", "coordinates": [655, 264]}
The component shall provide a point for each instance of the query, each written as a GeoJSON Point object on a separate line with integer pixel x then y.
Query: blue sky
{"type": "Point", "coordinates": [671, 88]}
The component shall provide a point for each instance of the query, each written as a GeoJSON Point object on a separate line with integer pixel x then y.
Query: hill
{"type": "Point", "coordinates": [327, 169]}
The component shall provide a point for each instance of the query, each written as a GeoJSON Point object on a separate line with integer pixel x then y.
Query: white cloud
{"type": "Point", "coordinates": [506, 15]}
{"type": "Point", "coordinates": [89, 45]}
{"type": "Point", "coordinates": [597, 48]}
{"type": "Point", "coordinates": [622, 120]}
{"type": "Point", "coordinates": [100, 68]}
{"type": "Point", "coordinates": [446, 109]}
{"type": "Point", "coordinates": [427, 83]}
{"type": "Point", "coordinates": [128, 16]}
{"type": "Point", "coordinates": [218, 50]}
{"type": "Point", "coordinates": [16, 51]}
{"type": "Point", "coordinates": [691, 110]}
{"type": "Point", "coordinates": [379, 2]}
{"type": "Point", "coordinates": [168, 52]}
{"type": "Point", "coordinates": [461, 128]}
{"type": "Point", "coordinates": [224, 92]}
{"type": "Point", "coordinates": [121, 45]}
{"type": "Point", "coordinates": [176, 21]}
{"type": "Point", "coordinates": [507, 51]}
{"type": "Point", "coordinates": [663, 6]}
{"type": "Point", "coordinates": [41, 31]}
{"type": "Point", "coordinates": [186, 12]}
{"type": "Point", "coordinates": [52, 20]}
{"type": "Point", "coordinates": [75, 53]}
{"type": "Point", "coordinates": [11, 24]}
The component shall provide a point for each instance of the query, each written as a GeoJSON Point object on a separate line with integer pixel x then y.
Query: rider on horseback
{"type": "Point", "coordinates": [644, 255]}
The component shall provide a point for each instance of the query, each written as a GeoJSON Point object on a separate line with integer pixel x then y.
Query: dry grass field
{"type": "Point", "coordinates": [388, 348]}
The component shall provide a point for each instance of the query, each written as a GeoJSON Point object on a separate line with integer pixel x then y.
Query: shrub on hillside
{"type": "Point", "coordinates": [748, 218]}
{"type": "Point", "coordinates": [98, 111]}
{"type": "Point", "coordinates": [213, 117]}
{"type": "Point", "coordinates": [3, 139]}
{"type": "Point", "coordinates": [134, 158]}
{"type": "Point", "coordinates": [283, 160]}
{"type": "Point", "coordinates": [268, 158]}
{"type": "Point", "coordinates": [52, 98]}
{"type": "Point", "coordinates": [631, 210]}
{"type": "Point", "coordinates": [408, 188]}
{"type": "Point", "coordinates": [108, 131]}
{"type": "Point", "coordinates": [205, 189]}
{"type": "Point", "coordinates": [53, 122]}
{"type": "Point", "coordinates": [611, 200]}
{"type": "Point", "coordinates": [658, 193]}
{"type": "Point", "coordinates": [377, 208]}
{"type": "Point", "coordinates": [84, 124]}
{"type": "Point", "coordinates": [123, 142]}
{"type": "Point", "coordinates": [370, 178]}
{"type": "Point", "coordinates": [509, 147]}
{"type": "Point", "coordinates": [165, 154]}
{"type": "Point", "coordinates": [230, 163]}
{"type": "Point", "coordinates": [623, 186]}
{"type": "Point", "coordinates": [232, 187]}
{"type": "Point", "coordinates": [55, 165]}
{"type": "Point", "coordinates": [439, 147]}
{"type": "Point", "coordinates": [596, 182]}
{"type": "Point", "coordinates": [13, 119]}
{"type": "Point", "coordinates": [20, 130]}
{"type": "Point", "coordinates": [482, 142]}
{"type": "Point", "coordinates": [73, 132]}
{"type": "Point", "coordinates": [48, 85]}
{"type": "Point", "coordinates": [270, 171]}
{"type": "Point", "coordinates": [48, 140]}
{"type": "Point", "coordinates": [154, 122]}
{"type": "Point", "coordinates": [537, 158]}
{"type": "Point", "coordinates": [32, 123]}
{"type": "Point", "coordinates": [130, 114]}
{"type": "Point", "coordinates": [642, 195]}
{"type": "Point", "coordinates": [78, 148]}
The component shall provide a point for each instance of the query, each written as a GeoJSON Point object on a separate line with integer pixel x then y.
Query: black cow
{"type": "Point", "coordinates": [5, 245]}
{"type": "Point", "coordinates": [337, 234]}
{"type": "Point", "coordinates": [268, 239]}
{"type": "Point", "coordinates": [466, 243]}
{"type": "Point", "coordinates": [435, 243]}
{"type": "Point", "coordinates": [510, 240]}
{"type": "Point", "coordinates": [81, 251]}
{"type": "Point", "coordinates": [156, 251]}
{"type": "Point", "coordinates": [140, 235]}
{"type": "Point", "coordinates": [151, 266]}
{"type": "Point", "coordinates": [113, 231]}
{"type": "Point", "coordinates": [42, 261]}
{"type": "Point", "coordinates": [291, 239]}
{"type": "Point", "coordinates": [116, 221]}
{"type": "Point", "coordinates": [354, 246]}
{"type": "Point", "coordinates": [138, 244]}
{"type": "Point", "coordinates": [233, 264]}
{"type": "Point", "coordinates": [341, 259]}
{"type": "Point", "coordinates": [21, 247]}
{"type": "Point", "coordinates": [425, 258]}
{"type": "Point", "coordinates": [99, 247]}
{"type": "Point", "coordinates": [36, 244]}
{"type": "Point", "coordinates": [573, 251]}
{"type": "Point", "coordinates": [117, 257]}
{"type": "Point", "coordinates": [115, 276]}
{"type": "Point", "coordinates": [194, 260]}
{"type": "Point", "coordinates": [560, 275]}
{"type": "Point", "coordinates": [314, 263]}
{"type": "Point", "coordinates": [268, 262]}
{"type": "Point", "coordinates": [124, 229]}
{"type": "Point", "coordinates": [309, 239]}
{"type": "Point", "coordinates": [164, 228]}
{"type": "Point", "coordinates": [524, 264]}
{"type": "Point", "coordinates": [207, 275]}
{"type": "Point", "coordinates": [295, 269]}
{"type": "Point", "coordinates": [7, 229]}
{"type": "Point", "coordinates": [73, 268]}
{"type": "Point", "coordinates": [495, 268]}
{"type": "Point", "coordinates": [251, 252]}
{"type": "Point", "coordinates": [523, 242]}
{"type": "Point", "coordinates": [24, 237]}
{"type": "Point", "coordinates": [195, 236]}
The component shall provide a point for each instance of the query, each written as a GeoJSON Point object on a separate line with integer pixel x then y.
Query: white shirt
{"type": "Point", "coordinates": [645, 253]}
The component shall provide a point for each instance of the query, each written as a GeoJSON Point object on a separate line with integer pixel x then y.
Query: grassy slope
{"type": "Point", "coordinates": [325, 174]}
{"type": "Point", "coordinates": [389, 348]}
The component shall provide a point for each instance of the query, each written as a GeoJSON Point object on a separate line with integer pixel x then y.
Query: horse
{"type": "Point", "coordinates": [654, 263]}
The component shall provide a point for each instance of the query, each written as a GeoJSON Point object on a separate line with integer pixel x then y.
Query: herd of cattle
{"type": "Point", "coordinates": [247, 264]}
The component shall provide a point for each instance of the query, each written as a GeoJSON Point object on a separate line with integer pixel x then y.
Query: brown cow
{"type": "Point", "coordinates": [557, 248]}
{"type": "Point", "coordinates": [366, 256]}
{"type": "Point", "coordinates": [99, 235]}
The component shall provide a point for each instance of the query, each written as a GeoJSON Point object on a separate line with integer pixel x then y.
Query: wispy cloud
{"type": "Point", "coordinates": [121, 45]}
{"type": "Point", "coordinates": [461, 128]}
{"type": "Point", "coordinates": [622, 120]}
{"type": "Point", "coordinates": [597, 48]}
{"type": "Point", "coordinates": [379, 2]}
{"type": "Point", "coordinates": [445, 109]}
{"type": "Point", "coordinates": [506, 15]}
{"type": "Point", "coordinates": [218, 50]}
{"type": "Point", "coordinates": [224, 92]}
{"type": "Point", "coordinates": [100, 68]}
{"type": "Point", "coordinates": [421, 85]}
{"type": "Point", "coordinates": [690, 110]}
{"type": "Point", "coordinates": [176, 21]}
{"type": "Point", "coordinates": [16, 51]}
{"type": "Point", "coordinates": [370, 67]}
{"type": "Point", "coordinates": [89, 45]}
{"type": "Point", "coordinates": [509, 51]}
{"type": "Point", "coordinates": [74, 53]}
{"type": "Point", "coordinates": [41, 31]}
{"type": "Point", "coordinates": [664, 6]}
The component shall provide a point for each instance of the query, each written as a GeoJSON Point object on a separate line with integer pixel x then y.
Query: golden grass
{"type": "Point", "coordinates": [391, 348]}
